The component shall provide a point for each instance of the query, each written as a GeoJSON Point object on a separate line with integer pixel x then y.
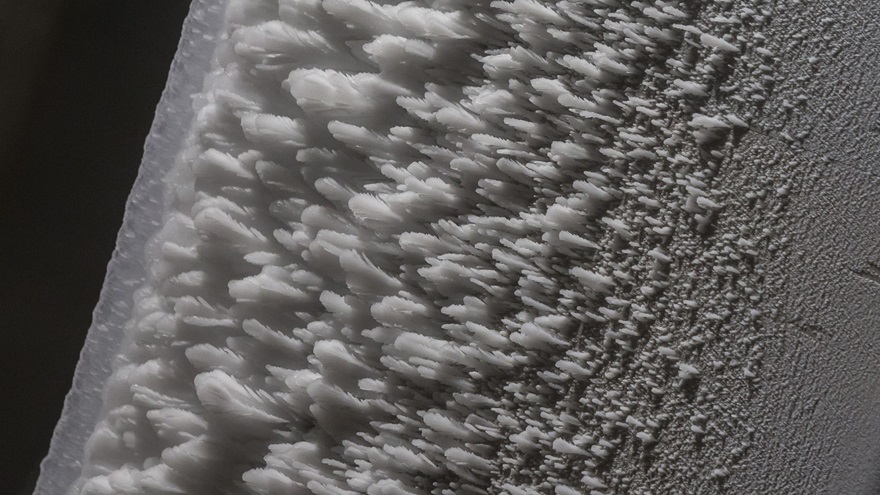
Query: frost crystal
{"type": "Point", "coordinates": [520, 247]}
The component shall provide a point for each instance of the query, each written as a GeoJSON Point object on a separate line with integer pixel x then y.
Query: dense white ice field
{"type": "Point", "coordinates": [510, 247]}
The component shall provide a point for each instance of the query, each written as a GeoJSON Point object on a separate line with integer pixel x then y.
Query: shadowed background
{"type": "Point", "coordinates": [79, 82]}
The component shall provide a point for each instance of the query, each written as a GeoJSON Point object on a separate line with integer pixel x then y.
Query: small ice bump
{"type": "Point", "coordinates": [717, 43]}
{"type": "Point", "coordinates": [687, 371]}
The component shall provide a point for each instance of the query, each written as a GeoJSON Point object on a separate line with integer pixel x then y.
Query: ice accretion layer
{"type": "Point", "coordinates": [455, 246]}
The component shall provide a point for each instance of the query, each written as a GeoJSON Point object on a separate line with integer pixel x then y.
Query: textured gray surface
{"type": "Point", "coordinates": [817, 425]}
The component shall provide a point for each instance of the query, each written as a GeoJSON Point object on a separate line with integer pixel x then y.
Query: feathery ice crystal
{"type": "Point", "coordinates": [461, 246]}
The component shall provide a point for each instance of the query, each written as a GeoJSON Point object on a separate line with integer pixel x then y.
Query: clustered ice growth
{"type": "Point", "coordinates": [451, 247]}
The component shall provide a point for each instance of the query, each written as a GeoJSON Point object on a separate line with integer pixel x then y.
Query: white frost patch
{"type": "Point", "coordinates": [452, 247]}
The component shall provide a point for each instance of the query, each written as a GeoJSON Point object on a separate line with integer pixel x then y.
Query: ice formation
{"type": "Point", "coordinates": [519, 247]}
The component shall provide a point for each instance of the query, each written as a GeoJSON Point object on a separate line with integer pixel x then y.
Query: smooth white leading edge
{"type": "Point", "coordinates": [499, 247]}
{"type": "Point", "coordinates": [127, 269]}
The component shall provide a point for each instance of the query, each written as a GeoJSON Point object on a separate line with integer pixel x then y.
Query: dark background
{"type": "Point", "coordinates": [79, 82]}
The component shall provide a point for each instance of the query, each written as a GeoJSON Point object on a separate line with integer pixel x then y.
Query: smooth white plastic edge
{"type": "Point", "coordinates": [127, 268]}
